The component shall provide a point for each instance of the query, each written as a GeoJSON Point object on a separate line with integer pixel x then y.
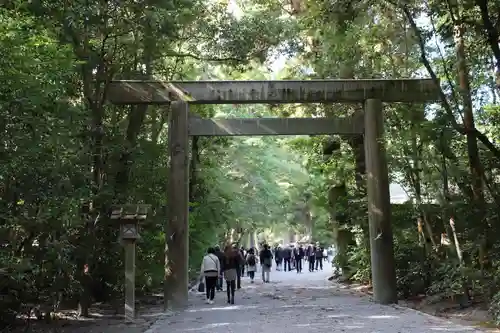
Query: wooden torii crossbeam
{"type": "Point", "coordinates": [372, 93]}
{"type": "Point", "coordinates": [270, 92]}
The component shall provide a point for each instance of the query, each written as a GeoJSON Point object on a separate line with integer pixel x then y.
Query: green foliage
{"type": "Point", "coordinates": [495, 308]}
{"type": "Point", "coordinates": [69, 156]}
{"type": "Point", "coordinates": [359, 262]}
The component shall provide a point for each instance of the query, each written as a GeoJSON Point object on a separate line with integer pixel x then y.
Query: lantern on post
{"type": "Point", "coordinates": [129, 217]}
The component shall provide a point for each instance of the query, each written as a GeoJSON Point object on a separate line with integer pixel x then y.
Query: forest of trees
{"type": "Point", "coordinates": [67, 156]}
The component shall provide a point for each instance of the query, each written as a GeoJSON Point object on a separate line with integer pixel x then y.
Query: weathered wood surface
{"type": "Point", "coordinates": [253, 92]}
{"type": "Point", "coordinates": [177, 226]}
{"type": "Point", "coordinates": [276, 126]}
{"type": "Point", "coordinates": [379, 206]}
{"type": "Point", "coordinates": [129, 280]}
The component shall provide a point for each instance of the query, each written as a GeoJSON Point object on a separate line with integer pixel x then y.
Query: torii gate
{"type": "Point", "coordinates": [180, 94]}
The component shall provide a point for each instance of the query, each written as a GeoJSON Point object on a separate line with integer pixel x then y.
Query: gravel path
{"type": "Point", "coordinates": [299, 303]}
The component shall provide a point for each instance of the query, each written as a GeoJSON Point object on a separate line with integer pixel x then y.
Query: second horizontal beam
{"type": "Point", "coordinates": [276, 126]}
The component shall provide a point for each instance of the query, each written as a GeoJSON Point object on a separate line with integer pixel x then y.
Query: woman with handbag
{"type": "Point", "coordinates": [210, 269]}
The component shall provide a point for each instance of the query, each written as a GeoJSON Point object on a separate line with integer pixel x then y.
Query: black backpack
{"type": "Point", "coordinates": [251, 260]}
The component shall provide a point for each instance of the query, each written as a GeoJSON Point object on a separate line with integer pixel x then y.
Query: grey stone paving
{"type": "Point", "coordinates": [299, 303]}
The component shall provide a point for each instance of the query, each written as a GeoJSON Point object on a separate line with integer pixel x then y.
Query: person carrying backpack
{"type": "Point", "coordinates": [251, 264]}
{"type": "Point", "coordinates": [266, 259]}
{"type": "Point", "coordinates": [319, 257]}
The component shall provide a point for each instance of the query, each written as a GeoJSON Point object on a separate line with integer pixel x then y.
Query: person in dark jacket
{"type": "Point", "coordinates": [287, 257]}
{"type": "Point", "coordinates": [266, 260]}
{"type": "Point", "coordinates": [241, 263]}
{"type": "Point", "coordinates": [299, 255]}
{"type": "Point", "coordinates": [319, 257]}
{"type": "Point", "coordinates": [220, 256]}
{"type": "Point", "coordinates": [243, 255]}
{"type": "Point", "coordinates": [278, 257]}
{"type": "Point", "coordinates": [311, 256]}
{"type": "Point", "coordinates": [231, 266]}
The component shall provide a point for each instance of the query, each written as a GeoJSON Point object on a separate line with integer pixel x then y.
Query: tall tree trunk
{"type": "Point", "coordinates": [472, 147]}
{"type": "Point", "coordinates": [357, 144]}
{"type": "Point", "coordinates": [94, 86]}
{"type": "Point", "coordinates": [446, 105]}
{"type": "Point", "coordinates": [416, 151]}
{"type": "Point", "coordinates": [136, 116]}
{"type": "Point", "coordinates": [491, 36]}
{"type": "Point", "coordinates": [343, 236]}
{"type": "Point", "coordinates": [464, 85]}
{"type": "Point", "coordinates": [445, 197]}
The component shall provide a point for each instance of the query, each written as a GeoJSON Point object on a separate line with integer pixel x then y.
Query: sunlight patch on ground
{"type": "Point", "coordinates": [381, 317]}
{"type": "Point", "coordinates": [338, 316]}
{"type": "Point", "coordinates": [453, 329]}
{"type": "Point", "coordinates": [206, 327]}
{"type": "Point", "coordinates": [353, 326]}
{"type": "Point", "coordinates": [224, 308]}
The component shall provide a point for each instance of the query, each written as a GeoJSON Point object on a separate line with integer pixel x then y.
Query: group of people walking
{"type": "Point", "coordinates": [229, 265]}
{"type": "Point", "coordinates": [291, 257]}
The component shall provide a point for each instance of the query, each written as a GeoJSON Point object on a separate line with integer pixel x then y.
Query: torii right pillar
{"type": "Point", "coordinates": [379, 206]}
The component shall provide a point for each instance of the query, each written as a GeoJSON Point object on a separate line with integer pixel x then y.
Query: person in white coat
{"type": "Point", "coordinates": [210, 269]}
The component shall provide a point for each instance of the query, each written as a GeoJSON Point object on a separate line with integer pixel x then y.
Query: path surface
{"type": "Point", "coordinates": [300, 303]}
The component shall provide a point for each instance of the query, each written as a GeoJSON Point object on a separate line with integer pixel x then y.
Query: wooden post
{"type": "Point", "coordinates": [129, 280]}
{"type": "Point", "coordinates": [379, 206]}
{"type": "Point", "coordinates": [177, 227]}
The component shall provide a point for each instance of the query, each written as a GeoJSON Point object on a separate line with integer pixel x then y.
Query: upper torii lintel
{"type": "Point", "coordinates": [272, 92]}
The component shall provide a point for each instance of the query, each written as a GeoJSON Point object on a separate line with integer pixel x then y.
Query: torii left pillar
{"type": "Point", "coordinates": [177, 224]}
{"type": "Point", "coordinates": [379, 206]}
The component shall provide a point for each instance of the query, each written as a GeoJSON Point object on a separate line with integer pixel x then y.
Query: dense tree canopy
{"type": "Point", "coordinates": [68, 156]}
